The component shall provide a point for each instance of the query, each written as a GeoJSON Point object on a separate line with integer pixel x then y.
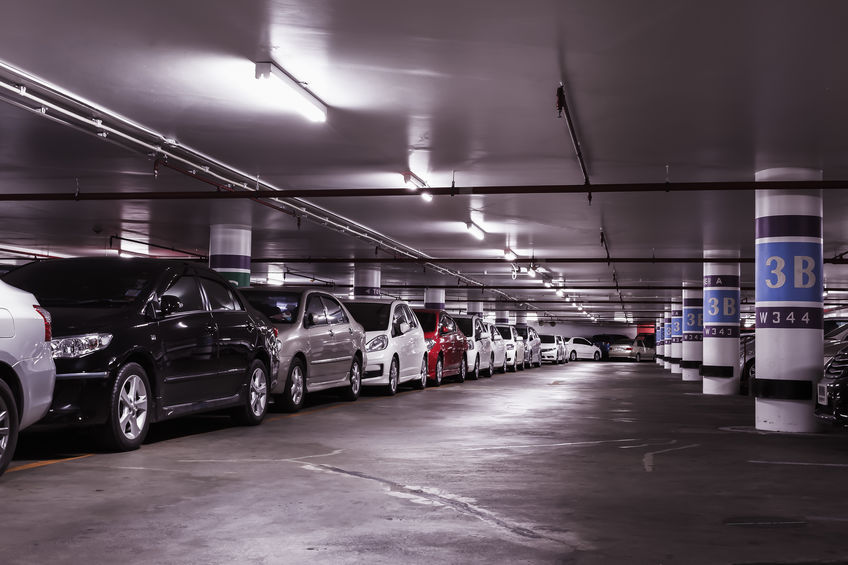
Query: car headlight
{"type": "Point", "coordinates": [430, 343]}
{"type": "Point", "coordinates": [79, 345]}
{"type": "Point", "coordinates": [379, 343]}
{"type": "Point", "coordinates": [510, 347]}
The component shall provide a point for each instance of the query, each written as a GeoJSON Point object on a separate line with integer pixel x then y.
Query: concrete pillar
{"type": "Point", "coordinates": [667, 338]}
{"type": "Point", "coordinates": [521, 318]}
{"type": "Point", "coordinates": [229, 252]}
{"type": "Point", "coordinates": [720, 368]}
{"type": "Point", "coordinates": [693, 334]}
{"type": "Point", "coordinates": [676, 336]}
{"type": "Point", "coordinates": [475, 308]}
{"type": "Point", "coordinates": [502, 317]}
{"type": "Point", "coordinates": [660, 341]}
{"type": "Point", "coordinates": [789, 303]}
{"type": "Point", "coordinates": [434, 298]}
{"type": "Point", "coordinates": [366, 280]}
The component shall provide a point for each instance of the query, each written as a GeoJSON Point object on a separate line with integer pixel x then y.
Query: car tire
{"type": "Point", "coordinates": [440, 372]}
{"type": "Point", "coordinates": [421, 382]}
{"type": "Point", "coordinates": [572, 356]}
{"type": "Point", "coordinates": [354, 385]}
{"type": "Point", "coordinates": [519, 366]}
{"type": "Point", "coordinates": [504, 367]}
{"type": "Point", "coordinates": [256, 404]}
{"type": "Point", "coordinates": [475, 374]}
{"type": "Point", "coordinates": [749, 373]}
{"type": "Point", "coordinates": [295, 392]}
{"type": "Point", "coordinates": [128, 419]}
{"type": "Point", "coordinates": [8, 426]}
{"type": "Point", "coordinates": [491, 372]}
{"type": "Point", "coordinates": [539, 362]}
{"type": "Point", "coordinates": [638, 357]}
{"type": "Point", "coordinates": [463, 370]}
{"type": "Point", "coordinates": [597, 356]}
{"type": "Point", "coordinates": [394, 376]}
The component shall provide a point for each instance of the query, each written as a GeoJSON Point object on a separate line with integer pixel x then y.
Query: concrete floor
{"type": "Point", "coordinates": [587, 463]}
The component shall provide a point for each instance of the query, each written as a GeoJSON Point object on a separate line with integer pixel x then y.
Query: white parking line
{"type": "Point", "coordinates": [249, 460]}
{"type": "Point", "coordinates": [648, 459]}
{"type": "Point", "coordinates": [564, 444]}
{"type": "Point", "coordinates": [798, 463]}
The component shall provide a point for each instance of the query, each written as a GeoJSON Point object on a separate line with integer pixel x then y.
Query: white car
{"type": "Point", "coordinates": [498, 347]}
{"type": "Point", "coordinates": [394, 342]}
{"type": "Point", "coordinates": [581, 348]}
{"type": "Point", "coordinates": [479, 356]}
{"type": "Point", "coordinates": [514, 344]}
{"type": "Point", "coordinates": [552, 349]}
{"type": "Point", "coordinates": [532, 346]}
{"type": "Point", "coordinates": [27, 372]}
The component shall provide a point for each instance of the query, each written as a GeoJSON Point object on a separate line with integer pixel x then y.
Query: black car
{"type": "Point", "coordinates": [137, 341]}
{"type": "Point", "coordinates": [832, 391]}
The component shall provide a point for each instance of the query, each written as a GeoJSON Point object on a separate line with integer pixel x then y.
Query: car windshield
{"type": "Point", "coordinates": [505, 332]}
{"type": "Point", "coordinates": [95, 284]}
{"type": "Point", "coordinates": [466, 325]}
{"type": "Point", "coordinates": [547, 338]}
{"type": "Point", "coordinates": [372, 315]}
{"type": "Point", "coordinates": [280, 307]}
{"type": "Point", "coordinates": [522, 331]}
{"type": "Point", "coordinates": [427, 319]}
{"type": "Point", "coordinates": [623, 341]}
{"type": "Point", "coordinates": [839, 333]}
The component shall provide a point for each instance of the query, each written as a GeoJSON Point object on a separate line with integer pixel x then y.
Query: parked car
{"type": "Point", "coordinates": [581, 348]}
{"type": "Point", "coordinates": [446, 345]}
{"type": "Point", "coordinates": [394, 343]}
{"type": "Point", "coordinates": [498, 347]}
{"type": "Point", "coordinates": [832, 389]}
{"type": "Point", "coordinates": [635, 349]}
{"type": "Point", "coordinates": [321, 346]}
{"type": "Point", "coordinates": [605, 341]}
{"type": "Point", "coordinates": [479, 356]}
{"type": "Point", "coordinates": [137, 341]}
{"type": "Point", "coordinates": [514, 345]}
{"type": "Point", "coordinates": [532, 346]}
{"type": "Point", "coordinates": [27, 371]}
{"type": "Point", "coordinates": [552, 348]}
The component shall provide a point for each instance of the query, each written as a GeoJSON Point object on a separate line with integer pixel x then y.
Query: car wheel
{"type": "Point", "coordinates": [747, 378]}
{"type": "Point", "coordinates": [638, 357]}
{"type": "Point", "coordinates": [295, 392]}
{"type": "Point", "coordinates": [504, 367]}
{"type": "Point", "coordinates": [421, 383]}
{"type": "Point", "coordinates": [491, 371]}
{"type": "Point", "coordinates": [129, 409]}
{"type": "Point", "coordinates": [519, 366]}
{"type": "Point", "coordinates": [597, 356]}
{"type": "Point", "coordinates": [8, 425]}
{"type": "Point", "coordinates": [439, 372]}
{"type": "Point", "coordinates": [475, 374]}
{"type": "Point", "coordinates": [463, 370]}
{"type": "Point", "coordinates": [351, 391]}
{"type": "Point", "coordinates": [391, 389]}
{"type": "Point", "coordinates": [256, 403]}
{"type": "Point", "coordinates": [539, 361]}
{"type": "Point", "coordinates": [572, 356]}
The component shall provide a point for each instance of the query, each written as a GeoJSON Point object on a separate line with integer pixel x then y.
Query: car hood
{"type": "Point", "coordinates": [832, 347]}
{"type": "Point", "coordinates": [74, 321]}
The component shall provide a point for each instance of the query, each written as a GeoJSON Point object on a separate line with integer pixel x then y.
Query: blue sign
{"type": "Point", "coordinates": [789, 272]}
{"type": "Point", "coordinates": [693, 320]}
{"type": "Point", "coordinates": [721, 306]}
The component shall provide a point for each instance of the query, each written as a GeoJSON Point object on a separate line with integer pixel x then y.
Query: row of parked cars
{"type": "Point", "coordinates": [118, 344]}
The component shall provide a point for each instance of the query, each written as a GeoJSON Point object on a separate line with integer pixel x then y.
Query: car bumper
{"type": "Point", "coordinates": [377, 370]}
{"type": "Point", "coordinates": [621, 354]}
{"type": "Point", "coordinates": [38, 378]}
{"type": "Point", "coordinates": [832, 402]}
{"type": "Point", "coordinates": [549, 355]}
{"type": "Point", "coordinates": [510, 358]}
{"type": "Point", "coordinates": [80, 398]}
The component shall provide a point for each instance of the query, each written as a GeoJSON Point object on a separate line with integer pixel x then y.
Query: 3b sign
{"type": "Point", "coordinates": [789, 272]}
{"type": "Point", "coordinates": [721, 306]}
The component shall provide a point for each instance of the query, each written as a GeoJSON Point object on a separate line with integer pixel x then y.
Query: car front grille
{"type": "Point", "coordinates": [838, 366]}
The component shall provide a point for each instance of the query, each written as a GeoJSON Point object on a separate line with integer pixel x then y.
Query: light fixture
{"type": "Point", "coordinates": [541, 269]}
{"type": "Point", "coordinates": [548, 284]}
{"type": "Point", "coordinates": [475, 230]}
{"type": "Point", "coordinates": [531, 272]}
{"type": "Point", "coordinates": [560, 293]}
{"type": "Point", "coordinates": [509, 254]}
{"type": "Point", "coordinates": [413, 181]}
{"type": "Point", "coordinates": [290, 92]}
{"type": "Point", "coordinates": [426, 196]}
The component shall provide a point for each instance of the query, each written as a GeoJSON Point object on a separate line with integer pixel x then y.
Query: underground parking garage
{"type": "Point", "coordinates": [459, 283]}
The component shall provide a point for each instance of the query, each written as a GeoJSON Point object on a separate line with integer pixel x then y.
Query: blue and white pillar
{"type": "Point", "coordinates": [789, 303]}
{"type": "Point", "coordinates": [502, 318]}
{"type": "Point", "coordinates": [366, 281]}
{"type": "Point", "coordinates": [693, 334]}
{"type": "Point", "coordinates": [660, 341]}
{"type": "Point", "coordinates": [720, 368]}
{"type": "Point", "coordinates": [434, 298]}
{"type": "Point", "coordinates": [667, 338]}
{"type": "Point", "coordinates": [475, 309]}
{"type": "Point", "coordinates": [676, 336]}
{"type": "Point", "coordinates": [229, 252]}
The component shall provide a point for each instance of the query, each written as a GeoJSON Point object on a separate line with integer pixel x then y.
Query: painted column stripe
{"type": "Point", "coordinates": [434, 305]}
{"type": "Point", "coordinates": [366, 291]}
{"type": "Point", "coordinates": [718, 371]}
{"type": "Point", "coordinates": [718, 281]}
{"type": "Point", "coordinates": [230, 262]}
{"type": "Point", "coordinates": [789, 226]}
{"type": "Point", "coordinates": [693, 302]}
{"type": "Point", "coordinates": [783, 389]}
{"type": "Point", "coordinates": [687, 364]}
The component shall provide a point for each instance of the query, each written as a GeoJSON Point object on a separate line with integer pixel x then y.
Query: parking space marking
{"type": "Point", "coordinates": [250, 460]}
{"type": "Point", "coordinates": [38, 464]}
{"type": "Point", "coordinates": [797, 463]}
{"type": "Point", "coordinates": [648, 458]}
{"type": "Point", "coordinates": [564, 444]}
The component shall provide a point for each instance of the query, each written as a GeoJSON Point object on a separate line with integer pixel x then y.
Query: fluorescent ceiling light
{"type": "Point", "coordinates": [531, 272]}
{"type": "Point", "coordinates": [426, 196]}
{"type": "Point", "coordinates": [475, 230]}
{"type": "Point", "coordinates": [548, 284]}
{"type": "Point", "coordinates": [413, 181]}
{"type": "Point", "coordinates": [560, 293]}
{"type": "Point", "coordinates": [290, 93]}
{"type": "Point", "coordinates": [509, 254]}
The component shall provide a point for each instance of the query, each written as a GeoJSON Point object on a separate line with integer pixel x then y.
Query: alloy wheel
{"type": "Point", "coordinates": [5, 427]}
{"type": "Point", "coordinates": [296, 388]}
{"type": "Point", "coordinates": [132, 407]}
{"type": "Point", "coordinates": [258, 391]}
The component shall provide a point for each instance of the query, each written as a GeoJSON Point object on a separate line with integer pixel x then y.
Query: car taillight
{"type": "Point", "coordinates": [48, 322]}
{"type": "Point", "coordinates": [276, 332]}
{"type": "Point", "coordinates": [628, 349]}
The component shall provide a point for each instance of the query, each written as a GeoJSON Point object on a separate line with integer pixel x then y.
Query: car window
{"type": "Point", "coordinates": [581, 341]}
{"type": "Point", "coordinates": [280, 307]}
{"type": "Point", "coordinates": [522, 331]}
{"type": "Point", "coordinates": [547, 338]}
{"type": "Point", "coordinates": [428, 320]}
{"type": "Point", "coordinates": [466, 326]}
{"type": "Point", "coordinates": [410, 317]}
{"type": "Point", "coordinates": [373, 316]}
{"type": "Point", "coordinates": [448, 324]}
{"type": "Point", "coordinates": [185, 289]}
{"type": "Point", "coordinates": [397, 319]}
{"type": "Point", "coordinates": [220, 297]}
{"type": "Point", "coordinates": [505, 332]}
{"type": "Point", "coordinates": [496, 334]}
{"type": "Point", "coordinates": [315, 307]}
{"type": "Point", "coordinates": [335, 313]}
{"type": "Point", "coordinates": [479, 325]}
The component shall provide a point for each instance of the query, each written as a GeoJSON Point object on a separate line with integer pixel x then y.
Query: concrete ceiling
{"type": "Point", "coordinates": [664, 89]}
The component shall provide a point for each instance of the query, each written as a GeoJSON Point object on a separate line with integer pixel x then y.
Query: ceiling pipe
{"type": "Point", "coordinates": [500, 260]}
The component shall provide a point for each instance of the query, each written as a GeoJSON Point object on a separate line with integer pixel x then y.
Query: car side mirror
{"type": "Point", "coordinates": [404, 327]}
{"type": "Point", "coordinates": [444, 330]}
{"type": "Point", "coordinates": [309, 320]}
{"type": "Point", "coordinates": [169, 304]}
{"type": "Point", "coordinates": [485, 335]}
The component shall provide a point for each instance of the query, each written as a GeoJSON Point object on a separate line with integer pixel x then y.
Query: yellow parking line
{"type": "Point", "coordinates": [37, 464]}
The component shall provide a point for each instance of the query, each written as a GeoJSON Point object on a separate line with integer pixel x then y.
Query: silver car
{"type": "Point", "coordinates": [27, 371]}
{"type": "Point", "coordinates": [321, 346]}
{"type": "Point", "coordinates": [635, 349]}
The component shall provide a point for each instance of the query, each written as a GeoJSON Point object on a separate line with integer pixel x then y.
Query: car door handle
{"type": "Point", "coordinates": [251, 326]}
{"type": "Point", "coordinates": [350, 330]}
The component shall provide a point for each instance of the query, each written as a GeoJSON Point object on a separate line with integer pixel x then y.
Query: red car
{"type": "Point", "coordinates": [446, 345]}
